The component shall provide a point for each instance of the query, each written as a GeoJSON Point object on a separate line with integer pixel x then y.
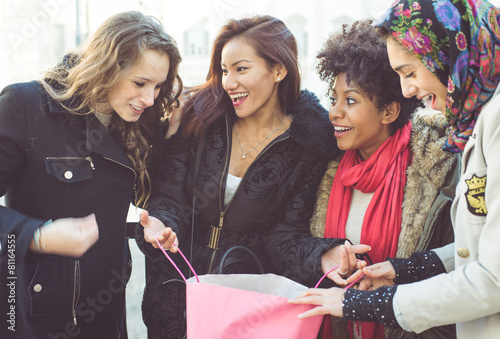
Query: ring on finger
{"type": "Point", "coordinates": [343, 273]}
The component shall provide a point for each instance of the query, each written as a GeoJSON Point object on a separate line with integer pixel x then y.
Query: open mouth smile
{"type": "Point", "coordinates": [341, 130]}
{"type": "Point", "coordinates": [137, 109]}
{"type": "Point", "coordinates": [238, 98]}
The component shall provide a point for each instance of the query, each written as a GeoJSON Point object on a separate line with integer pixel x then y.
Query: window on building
{"type": "Point", "coordinates": [196, 42]}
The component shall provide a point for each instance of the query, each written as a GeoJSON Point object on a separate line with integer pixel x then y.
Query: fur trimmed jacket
{"type": "Point", "coordinates": [269, 212]}
{"type": "Point", "coordinates": [430, 188]}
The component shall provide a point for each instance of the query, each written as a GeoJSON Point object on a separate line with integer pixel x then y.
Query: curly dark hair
{"type": "Point", "coordinates": [361, 54]}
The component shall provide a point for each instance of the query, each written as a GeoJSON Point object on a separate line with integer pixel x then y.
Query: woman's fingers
{"type": "Point", "coordinates": [360, 249]}
{"type": "Point", "coordinates": [380, 270]}
{"type": "Point", "coordinates": [366, 284]}
{"type": "Point", "coordinates": [329, 301]}
{"type": "Point", "coordinates": [169, 239]}
{"type": "Point", "coordinates": [144, 218]}
{"type": "Point", "coordinates": [343, 268]}
{"type": "Point", "coordinates": [355, 276]}
{"type": "Point", "coordinates": [155, 230]}
{"type": "Point", "coordinates": [382, 274]}
{"type": "Point", "coordinates": [344, 257]}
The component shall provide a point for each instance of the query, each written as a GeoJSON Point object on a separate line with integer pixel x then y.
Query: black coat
{"type": "Point", "coordinates": [53, 165]}
{"type": "Point", "coordinates": [269, 212]}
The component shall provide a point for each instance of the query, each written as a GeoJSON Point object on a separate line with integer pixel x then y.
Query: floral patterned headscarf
{"type": "Point", "coordinates": [459, 42]}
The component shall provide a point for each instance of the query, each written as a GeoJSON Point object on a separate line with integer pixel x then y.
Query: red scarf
{"type": "Point", "coordinates": [384, 174]}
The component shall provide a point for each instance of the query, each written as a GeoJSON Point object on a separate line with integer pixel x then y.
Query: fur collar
{"type": "Point", "coordinates": [425, 177]}
{"type": "Point", "coordinates": [311, 127]}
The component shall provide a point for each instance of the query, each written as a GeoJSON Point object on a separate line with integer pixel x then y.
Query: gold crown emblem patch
{"type": "Point", "coordinates": [476, 187]}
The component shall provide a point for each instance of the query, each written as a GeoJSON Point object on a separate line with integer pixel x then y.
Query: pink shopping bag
{"type": "Point", "coordinates": [246, 306]}
{"type": "Point", "coordinates": [249, 306]}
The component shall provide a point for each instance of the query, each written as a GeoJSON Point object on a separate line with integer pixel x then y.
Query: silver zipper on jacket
{"type": "Point", "coordinates": [76, 290]}
{"type": "Point", "coordinates": [89, 159]}
{"type": "Point", "coordinates": [215, 232]}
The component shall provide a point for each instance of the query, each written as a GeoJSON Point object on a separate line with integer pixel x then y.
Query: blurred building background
{"type": "Point", "coordinates": [35, 34]}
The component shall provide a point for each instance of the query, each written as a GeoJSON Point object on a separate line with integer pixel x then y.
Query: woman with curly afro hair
{"type": "Point", "coordinates": [391, 187]}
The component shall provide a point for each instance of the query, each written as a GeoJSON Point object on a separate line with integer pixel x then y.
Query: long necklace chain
{"type": "Point", "coordinates": [272, 132]}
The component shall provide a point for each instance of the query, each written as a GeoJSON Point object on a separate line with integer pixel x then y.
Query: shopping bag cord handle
{"type": "Point", "coordinates": [333, 269]}
{"type": "Point", "coordinates": [198, 280]}
{"type": "Point", "coordinates": [173, 263]}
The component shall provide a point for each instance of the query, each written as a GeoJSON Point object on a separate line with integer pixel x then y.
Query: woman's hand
{"type": "Point", "coordinates": [154, 228]}
{"type": "Point", "coordinates": [329, 301]}
{"type": "Point", "coordinates": [345, 257]}
{"type": "Point", "coordinates": [174, 121]}
{"type": "Point", "coordinates": [377, 275]}
{"type": "Point", "coordinates": [68, 236]}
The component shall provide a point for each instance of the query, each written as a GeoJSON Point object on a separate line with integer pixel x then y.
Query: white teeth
{"type": "Point", "coordinates": [427, 100]}
{"type": "Point", "coordinates": [237, 96]}
{"type": "Point", "coordinates": [341, 129]}
{"type": "Point", "coordinates": [136, 108]}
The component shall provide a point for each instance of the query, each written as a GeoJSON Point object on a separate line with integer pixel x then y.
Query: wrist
{"type": "Point", "coordinates": [372, 306]}
{"type": "Point", "coordinates": [37, 243]}
{"type": "Point", "coordinates": [420, 266]}
{"type": "Point", "coordinates": [173, 126]}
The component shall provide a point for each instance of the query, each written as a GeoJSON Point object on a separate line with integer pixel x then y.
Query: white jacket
{"type": "Point", "coordinates": [469, 294]}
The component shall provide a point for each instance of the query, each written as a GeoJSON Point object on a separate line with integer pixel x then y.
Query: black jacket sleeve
{"type": "Point", "coordinates": [289, 245]}
{"type": "Point", "coordinates": [169, 201]}
{"type": "Point", "coordinates": [12, 149]}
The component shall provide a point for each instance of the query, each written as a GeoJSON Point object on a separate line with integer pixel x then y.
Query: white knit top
{"type": "Point", "coordinates": [359, 205]}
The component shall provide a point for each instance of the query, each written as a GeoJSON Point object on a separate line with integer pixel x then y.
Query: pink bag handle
{"type": "Point", "coordinates": [173, 263]}
{"type": "Point", "coordinates": [198, 280]}
{"type": "Point", "coordinates": [333, 269]}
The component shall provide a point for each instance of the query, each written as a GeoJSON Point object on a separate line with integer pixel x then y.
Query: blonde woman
{"type": "Point", "coordinates": [74, 149]}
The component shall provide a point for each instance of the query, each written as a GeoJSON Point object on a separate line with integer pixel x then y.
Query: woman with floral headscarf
{"type": "Point", "coordinates": [446, 51]}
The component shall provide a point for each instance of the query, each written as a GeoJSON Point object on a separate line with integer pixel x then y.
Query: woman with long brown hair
{"type": "Point", "coordinates": [75, 148]}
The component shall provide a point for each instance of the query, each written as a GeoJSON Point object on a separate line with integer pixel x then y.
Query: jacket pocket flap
{"type": "Point", "coordinates": [69, 170]}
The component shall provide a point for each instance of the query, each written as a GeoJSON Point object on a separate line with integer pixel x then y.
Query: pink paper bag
{"type": "Point", "coordinates": [246, 306]}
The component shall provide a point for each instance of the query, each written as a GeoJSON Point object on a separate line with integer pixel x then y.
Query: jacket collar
{"type": "Point", "coordinates": [98, 139]}
{"type": "Point", "coordinates": [311, 127]}
{"type": "Point", "coordinates": [426, 177]}
{"type": "Point", "coordinates": [101, 141]}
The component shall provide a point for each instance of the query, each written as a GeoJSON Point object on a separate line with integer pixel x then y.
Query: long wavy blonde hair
{"type": "Point", "coordinates": [89, 75]}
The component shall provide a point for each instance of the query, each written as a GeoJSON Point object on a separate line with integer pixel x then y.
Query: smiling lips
{"type": "Point", "coordinates": [341, 130]}
{"type": "Point", "coordinates": [238, 98]}
{"type": "Point", "coordinates": [429, 101]}
{"type": "Point", "coordinates": [137, 109]}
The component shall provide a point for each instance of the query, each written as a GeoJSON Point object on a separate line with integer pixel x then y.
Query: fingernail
{"type": "Point", "coordinates": [369, 248]}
